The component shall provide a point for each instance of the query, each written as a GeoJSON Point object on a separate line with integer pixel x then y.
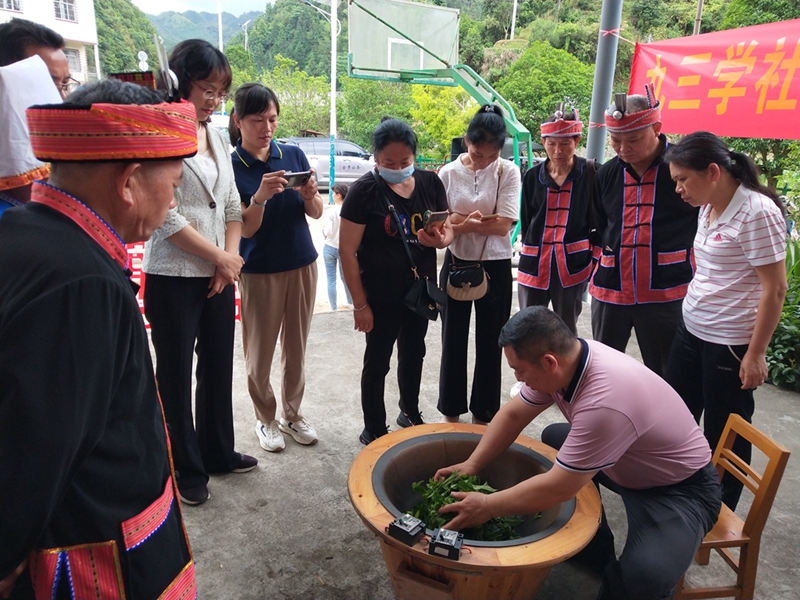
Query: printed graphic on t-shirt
{"type": "Point", "coordinates": [411, 225]}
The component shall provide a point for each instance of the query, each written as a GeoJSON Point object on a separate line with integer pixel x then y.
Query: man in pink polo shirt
{"type": "Point", "coordinates": [628, 430]}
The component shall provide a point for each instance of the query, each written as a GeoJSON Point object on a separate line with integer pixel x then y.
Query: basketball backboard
{"type": "Point", "coordinates": [396, 40]}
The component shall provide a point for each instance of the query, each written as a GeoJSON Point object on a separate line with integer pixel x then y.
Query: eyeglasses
{"type": "Point", "coordinates": [212, 95]}
{"type": "Point", "coordinates": [67, 86]}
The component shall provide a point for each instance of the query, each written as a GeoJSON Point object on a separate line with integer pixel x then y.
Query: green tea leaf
{"type": "Point", "coordinates": [436, 494]}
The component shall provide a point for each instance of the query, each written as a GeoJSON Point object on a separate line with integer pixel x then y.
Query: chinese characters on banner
{"type": "Point", "coordinates": [739, 83]}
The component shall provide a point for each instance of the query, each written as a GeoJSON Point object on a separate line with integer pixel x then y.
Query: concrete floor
{"type": "Point", "coordinates": [288, 531]}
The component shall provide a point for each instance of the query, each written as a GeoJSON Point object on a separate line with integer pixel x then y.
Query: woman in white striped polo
{"type": "Point", "coordinates": [734, 301]}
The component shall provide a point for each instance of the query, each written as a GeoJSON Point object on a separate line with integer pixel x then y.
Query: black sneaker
{"type": "Point", "coordinates": [244, 463]}
{"type": "Point", "coordinates": [367, 437]}
{"type": "Point", "coordinates": [194, 495]}
{"type": "Point", "coordinates": [405, 420]}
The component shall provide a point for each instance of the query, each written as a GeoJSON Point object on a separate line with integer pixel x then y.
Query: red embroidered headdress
{"type": "Point", "coordinates": [108, 132]}
{"type": "Point", "coordinates": [621, 121]}
{"type": "Point", "coordinates": [561, 128]}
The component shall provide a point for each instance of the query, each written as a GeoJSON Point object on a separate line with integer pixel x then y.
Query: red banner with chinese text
{"type": "Point", "coordinates": [739, 83]}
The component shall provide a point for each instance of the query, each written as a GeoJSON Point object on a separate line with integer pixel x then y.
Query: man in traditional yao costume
{"type": "Point", "coordinates": [87, 496]}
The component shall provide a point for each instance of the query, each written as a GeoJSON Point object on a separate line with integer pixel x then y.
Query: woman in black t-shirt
{"type": "Point", "coordinates": [378, 273]}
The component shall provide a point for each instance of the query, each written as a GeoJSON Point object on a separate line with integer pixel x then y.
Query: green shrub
{"type": "Point", "coordinates": [783, 353]}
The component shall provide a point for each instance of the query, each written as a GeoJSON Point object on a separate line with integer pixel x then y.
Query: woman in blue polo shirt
{"type": "Point", "coordinates": [279, 278]}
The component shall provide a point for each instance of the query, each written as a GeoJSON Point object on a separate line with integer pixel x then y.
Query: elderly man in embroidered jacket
{"type": "Point", "coordinates": [87, 498]}
{"type": "Point", "coordinates": [645, 258]}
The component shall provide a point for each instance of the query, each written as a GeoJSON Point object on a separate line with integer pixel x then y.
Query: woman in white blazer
{"type": "Point", "coordinates": [191, 264]}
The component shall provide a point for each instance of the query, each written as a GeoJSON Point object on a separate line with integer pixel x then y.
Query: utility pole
{"type": "Point", "coordinates": [244, 27]}
{"type": "Point", "coordinates": [607, 42]}
{"type": "Point", "coordinates": [219, 23]}
{"type": "Point", "coordinates": [698, 18]}
{"type": "Point", "coordinates": [332, 171]}
{"type": "Point", "coordinates": [513, 19]}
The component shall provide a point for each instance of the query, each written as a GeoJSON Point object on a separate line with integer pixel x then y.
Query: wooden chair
{"type": "Point", "coordinates": [730, 531]}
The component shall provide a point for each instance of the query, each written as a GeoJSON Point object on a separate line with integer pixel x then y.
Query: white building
{"type": "Point", "coordinates": [73, 19]}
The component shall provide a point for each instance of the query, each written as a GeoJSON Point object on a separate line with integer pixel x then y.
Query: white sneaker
{"type": "Point", "coordinates": [301, 431]}
{"type": "Point", "coordinates": [270, 436]}
{"type": "Point", "coordinates": [516, 388]}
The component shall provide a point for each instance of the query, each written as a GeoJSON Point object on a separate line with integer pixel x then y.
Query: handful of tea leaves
{"type": "Point", "coordinates": [436, 494]}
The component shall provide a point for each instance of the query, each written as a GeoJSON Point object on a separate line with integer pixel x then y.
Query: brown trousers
{"type": "Point", "coordinates": [273, 304]}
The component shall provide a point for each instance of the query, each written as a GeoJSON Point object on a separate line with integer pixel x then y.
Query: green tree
{"type": "Point", "coordinates": [365, 102]}
{"type": "Point", "coordinates": [742, 13]}
{"type": "Point", "coordinates": [496, 20]}
{"type": "Point", "coordinates": [646, 15]}
{"type": "Point", "coordinates": [542, 77]}
{"type": "Point", "coordinates": [296, 31]}
{"type": "Point", "coordinates": [304, 99]}
{"type": "Point", "coordinates": [470, 44]}
{"type": "Point", "coordinates": [441, 114]}
{"type": "Point", "coordinates": [243, 66]}
{"type": "Point", "coordinates": [578, 39]}
{"type": "Point", "coordinates": [122, 31]}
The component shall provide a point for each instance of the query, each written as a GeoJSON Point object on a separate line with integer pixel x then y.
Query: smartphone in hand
{"type": "Point", "coordinates": [435, 220]}
{"type": "Point", "coordinates": [296, 179]}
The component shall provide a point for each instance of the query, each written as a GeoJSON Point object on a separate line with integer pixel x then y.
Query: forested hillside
{"type": "Point", "coordinates": [174, 27]}
{"type": "Point", "coordinates": [122, 31]}
{"type": "Point", "coordinates": [551, 58]}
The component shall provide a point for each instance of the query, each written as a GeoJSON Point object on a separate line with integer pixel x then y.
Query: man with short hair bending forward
{"type": "Point", "coordinates": [627, 430]}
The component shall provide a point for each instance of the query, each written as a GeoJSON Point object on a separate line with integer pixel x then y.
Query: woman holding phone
{"type": "Point", "coordinates": [279, 278]}
{"type": "Point", "coordinates": [734, 302]}
{"type": "Point", "coordinates": [378, 273]}
{"type": "Point", "coordinates": [483, 198]}
{"type": "Point", "coordinates": [192, 262]}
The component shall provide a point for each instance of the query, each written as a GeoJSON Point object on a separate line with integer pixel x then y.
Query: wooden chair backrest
{"type": "Point", "coordinates": [764, 485]}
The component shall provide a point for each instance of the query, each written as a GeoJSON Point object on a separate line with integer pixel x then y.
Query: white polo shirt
{"type": "Point", "coordinates": [721, 303]}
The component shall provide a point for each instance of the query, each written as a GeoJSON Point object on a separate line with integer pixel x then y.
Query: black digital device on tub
{"type": "Point", "coordinates": [407, 529]}
{"type": "Point", "coordinates": [296, 179]}
{"type": "Point", "coordinates": [447, 543]}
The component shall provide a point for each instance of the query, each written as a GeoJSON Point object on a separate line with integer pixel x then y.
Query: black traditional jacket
{"type": "Point", "coordinates": [646, 232]}
{"type": "Point", "coordinates": [557, 223]}
{"type": "Point", "coordinates": [86, 487]}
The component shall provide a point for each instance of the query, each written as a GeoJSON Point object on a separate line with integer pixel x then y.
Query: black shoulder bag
{"type": "Point", "coordinates": [468, 280]}
{"type": "Point", "coordinates": [423, 297]}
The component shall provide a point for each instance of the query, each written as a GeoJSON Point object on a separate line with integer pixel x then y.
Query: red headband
{"type": "Point", "coordinates": [562, 128]}
{"type": "Point", "coordinates": [633, 121]}
{"type": "Point", "coordinates": [107, 132]}
{"type": "Point", "coordinates": [621, 121]}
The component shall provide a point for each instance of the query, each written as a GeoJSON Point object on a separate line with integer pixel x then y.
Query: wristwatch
{"type": "Point", "coordinates": [253, 201]}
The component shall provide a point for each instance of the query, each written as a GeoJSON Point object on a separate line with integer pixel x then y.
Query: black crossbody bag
{"type": "Point", "coordinates": [467, 279]}
{"type": "Point", "coordinates": [423, 297]}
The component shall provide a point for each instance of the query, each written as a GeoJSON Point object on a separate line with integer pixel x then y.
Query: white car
{"type": "Point", "coordinates": [351, 160]}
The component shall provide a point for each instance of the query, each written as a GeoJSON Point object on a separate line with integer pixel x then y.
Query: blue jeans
{"type": "Point", "coordinates": [331, 256]}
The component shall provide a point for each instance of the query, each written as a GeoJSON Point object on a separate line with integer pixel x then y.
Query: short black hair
{"type": "Point", "coordinates": [487, 127]}
{"type": "Point", "coordinates": [195, 60]}
{"type": "Point", "coordinates": [250, 99]}
{"type": "Point", "coordinates": [18, 35]}
{"type": "Point", "coordinates": [340, 188]}
{"type": "Point", "coordinates": [393, 130]}
{"type": "Point", "coordinates": [113, 91]}
{"type": "Point", "coordinates": [535, 331]}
